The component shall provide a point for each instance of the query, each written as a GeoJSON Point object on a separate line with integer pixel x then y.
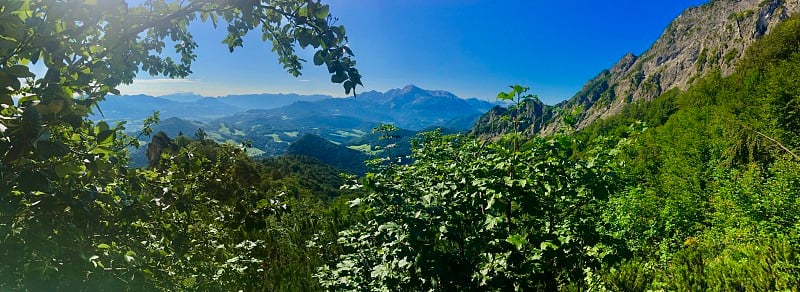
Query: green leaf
{"type": "Point", "coordinates": [546, 244]}
{"type": "Point", "coordinates": [20, 71]}
{"type": "Point", "coordinates": [518, 240]}
{"type": "Point", "coordinates": [94, 260]}
{"type": "Point", "coordinates": [63, 170]}
{"type": "Point", "coordinates": [339, 77]}
{"type": "Point", "coordinates": [49, 149]}
{"type": "Point", "coordinates": [319, 58]}
{"type": "Point", "coordinates": [103, 246]}
{"type": "Point", "coordinates": [7, 44]}
{"type": "Point", "coordinates": [323, 12]}
{"type": "Point", "coordinates": [105, 138]}
{"type": "Point", "coordinates": [102, 126]}
{"type": "Point", "coordinates": [95, 49]}
{"type": "Point", "coordinates": [348, 86]}
{"type": "Point", "coordinates": [129, 256]}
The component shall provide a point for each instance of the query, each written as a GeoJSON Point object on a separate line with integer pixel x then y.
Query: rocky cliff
{"type": "Point", "coordinates": [701, 40]}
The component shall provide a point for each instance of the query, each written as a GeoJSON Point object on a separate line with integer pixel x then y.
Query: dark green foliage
{"type": "Point", "coordinates": [714, 179]}
{"type": "Point", "coordinates": [308, 174]}
{"type": "Point", "coordinates": [341, 157]}
{"type": "Point", "coordinates": [629, 276]}
{"type": "Point", "coordinates": [471, 215]}
{"type": "Point", "coordinates": [207, 218]}
{"type": "Point", "coordinates": [696, 190]}
{"type": "Point", "coordinates": [75, 217]}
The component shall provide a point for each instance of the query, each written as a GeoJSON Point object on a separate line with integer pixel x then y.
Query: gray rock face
{"type": "Point", "coordinates": [702, 39]}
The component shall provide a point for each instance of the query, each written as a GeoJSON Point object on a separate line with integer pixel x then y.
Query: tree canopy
{"type": "Point", "coordinates": [90, 47]}
{"type": "Point", "coordinates": [73, 215]}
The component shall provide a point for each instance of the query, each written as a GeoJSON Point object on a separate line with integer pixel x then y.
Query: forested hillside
{"type": "Point", "coordinates": [695, 189]}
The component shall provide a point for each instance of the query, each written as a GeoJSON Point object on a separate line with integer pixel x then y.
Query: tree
{"type": "Point", "coordinates": [90, 47]}
{"type": "Point", "coordinates": [69, 205]}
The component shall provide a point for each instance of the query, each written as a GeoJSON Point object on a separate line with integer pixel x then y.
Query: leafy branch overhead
{"type": "Point", "coordinates": [90, 47]}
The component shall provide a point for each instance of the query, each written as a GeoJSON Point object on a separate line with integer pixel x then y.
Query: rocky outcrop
{"type": "Point", "coordinates": [161, 143]}
{"type": "Point", "coordinates": [529, 118]}
{"type": "Point", "coordinates": [701, 40]}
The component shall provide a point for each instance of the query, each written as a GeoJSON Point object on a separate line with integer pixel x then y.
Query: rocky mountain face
{"type": "Point", "coordinates": [532, 118]}
{"type": "Point", "coordinates": [703, 39]}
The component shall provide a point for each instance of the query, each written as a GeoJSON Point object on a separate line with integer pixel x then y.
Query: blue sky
{"type": "Point", "coordinates": [473, 48]}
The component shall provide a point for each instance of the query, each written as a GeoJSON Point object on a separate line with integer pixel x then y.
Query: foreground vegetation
{"type": "Point", "coordinates": [696, 190]}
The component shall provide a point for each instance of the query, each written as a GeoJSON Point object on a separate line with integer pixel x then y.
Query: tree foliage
{"type": "Point", "coordinates": [712, 184]}
{"type": "Point", "coordinates": [696, 190]}
{"type": "Point", "coordinates": [471, 215]}
{"type": "Point", "coordinates": [73, 216]}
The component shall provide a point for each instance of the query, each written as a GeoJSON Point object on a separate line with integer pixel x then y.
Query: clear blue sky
{"type": "Point", "coordinates": [473, 48]}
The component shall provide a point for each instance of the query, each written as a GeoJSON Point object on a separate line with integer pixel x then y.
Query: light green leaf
{"type": "Point", "coordinates": [129, 256]}
{"type": "Point", "coordinates": [546, 244]}
{"type": "Point", "coordinates": [63, 170]}
{"type": "Point", "coordinates": [323, 12]}
{"type": "Point", "coordinates": [518, 240]}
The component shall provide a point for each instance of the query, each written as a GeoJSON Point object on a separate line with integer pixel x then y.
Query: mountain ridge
{"type": "Point", "coordinates": [708, 38]}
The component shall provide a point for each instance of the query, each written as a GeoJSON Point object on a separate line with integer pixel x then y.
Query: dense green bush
{"type": "Point", "coordinates": [478, 215]}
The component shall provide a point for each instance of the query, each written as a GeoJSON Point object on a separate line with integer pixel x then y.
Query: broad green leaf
{"type": "Point", "coordinates": [323, 11]}
{"type": "Point", "coordinates": [130, 256]}
{"type": "Point", "coordinates": [102, 126]}
{"type": "Point", "coordinates": [20, 71]}
{"type": "Point", "coordinates": [105, 138]}
{"type": "Point", "coordinates": [63, 170]}
{"type": "Point", "coordinates": [547, 245]}
{"type": "Point", "coordinates": [319, 58]}
{"type": "Point", "coordinates": [339, 77]}
{"type": "Point", "coordinates": [518, 240]}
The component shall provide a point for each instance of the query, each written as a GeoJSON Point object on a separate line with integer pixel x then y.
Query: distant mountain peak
{"type": "Point", "coordinates": [182, 97]}
{"type": "Point", "coordinates": [417, 91]}
{"type": "Point", "coordinates": [411, 87]}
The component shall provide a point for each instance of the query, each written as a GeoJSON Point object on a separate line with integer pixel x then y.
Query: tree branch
{"type": "Point", "coordinates": [773, 141]}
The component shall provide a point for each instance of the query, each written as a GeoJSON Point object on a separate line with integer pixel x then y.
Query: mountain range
{"type": "Point", "coordinates": [272, 122]}
{"type": "Point", "coordinates": [409, 107]}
